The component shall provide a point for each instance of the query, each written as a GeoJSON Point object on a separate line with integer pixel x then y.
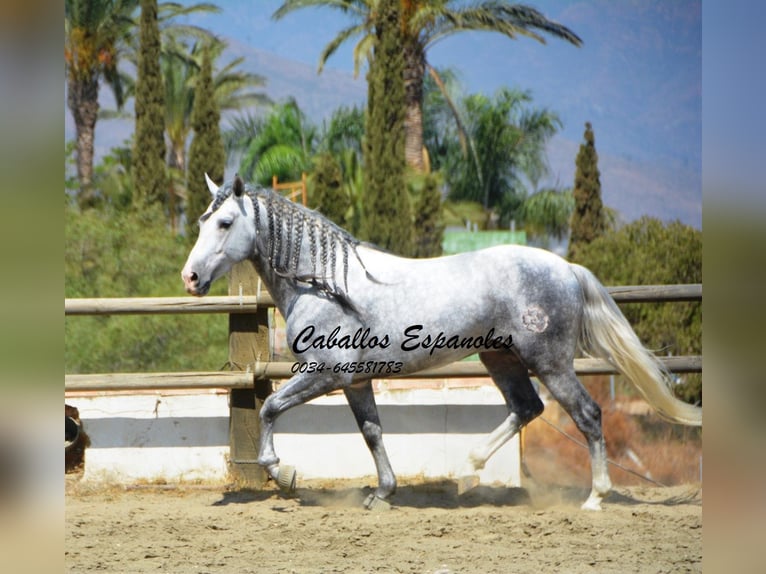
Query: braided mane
{"type": "Point", "coordinates": [286, 222]}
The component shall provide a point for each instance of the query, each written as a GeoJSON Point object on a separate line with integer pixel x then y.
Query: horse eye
{"type": "Point", "coordinates": [224, 224]}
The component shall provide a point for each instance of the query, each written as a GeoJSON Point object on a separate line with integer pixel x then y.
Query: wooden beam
{"type": "Point", "coordinates": [282, 370]}
{"type": "Point", "coordinates": [247, 303]}
{"type": "Point", "coordinates": [249, 346]}
{"type": "Point", "coordinates": [157, 381]}
{"type": "Point", "coordinates": [656, 293]}
{"type": "Point", "coordinates": [167, 305]}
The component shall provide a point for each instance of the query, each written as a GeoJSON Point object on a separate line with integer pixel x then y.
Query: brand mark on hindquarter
{"type": "Point", "coordinates": [535, 319]}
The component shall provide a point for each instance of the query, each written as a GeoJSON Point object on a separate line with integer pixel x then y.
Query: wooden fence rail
{"type": "Point", "coordinates": [235, 305]}
{"type": "Point", "coordinates": [283, 370]}
{"type": "Point", "coordinates": [246, 304]}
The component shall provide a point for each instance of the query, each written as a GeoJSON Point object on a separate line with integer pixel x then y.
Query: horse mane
{"type": "Point", "coordinates": [286, 222]}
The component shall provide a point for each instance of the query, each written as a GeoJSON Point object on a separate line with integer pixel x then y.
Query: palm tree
{"type": "Point", "coordinates": [546, 213]}
{"type": "Point", "coordinates": [441, 96]}
{"type": "Point", "coordinates": [344, 132]}
{"type": "Point", "coordinates": [233, 90]}
{"type": "Point", "coordinates": [510, 143]}
{"type": "Point", "coordinates": [181, 67]}
{"type": "Point", "coordinates": [97, 34]}
{"type": "Point", "coordinates": [280, 144]}
{"type": "Point", "coordinates": [343, 138]}
{"type": "Point", "coordinates": [425, 22]}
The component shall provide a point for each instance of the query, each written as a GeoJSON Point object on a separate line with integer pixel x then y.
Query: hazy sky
{"type": "Point", "coordinates": [637, 77]}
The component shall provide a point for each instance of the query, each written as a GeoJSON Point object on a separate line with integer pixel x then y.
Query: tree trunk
{"type": "Point", "coordinates": [82, 98]}
{"type": "Point", "coordinates": [177, 165]}
{"type": "Point", "coordinates": [414, 70]}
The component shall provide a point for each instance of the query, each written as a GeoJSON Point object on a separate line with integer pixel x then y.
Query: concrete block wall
{"type": "Point", "coordinates": [183, 436]}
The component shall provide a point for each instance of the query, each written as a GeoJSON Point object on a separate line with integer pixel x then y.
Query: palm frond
{"type": "Point", "coordinates": [336, 42]}
{"type": "Point", "coordinates": [512, 20]}
{"type": "Point", "coordinates": [284, 161]}
{"type": "Point", "coordinates": [362, 52]}
{"type": "Point", "coordinates": [233, 65]}
{"type": "Point", "coordinates": [189, 31]}
{"type": "Point", "coordinates": [548, 212]}
{"type": "Point", "coordinates": [356, 7]}
{"type": "Point", "coordinates": [169, 10]}
{"type": "Point", "coordinates": [528, 17]}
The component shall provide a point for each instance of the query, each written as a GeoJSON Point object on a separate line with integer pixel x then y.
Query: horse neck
{"type": "Point", "coordinates": [281, 291]}
{"type": "Point", "coordinates": [296, 249]}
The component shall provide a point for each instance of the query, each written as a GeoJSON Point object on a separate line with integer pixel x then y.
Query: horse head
{"type": "Point", "coordinates": [226, 236]}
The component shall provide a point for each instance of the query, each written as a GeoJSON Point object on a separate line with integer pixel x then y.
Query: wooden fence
{"type": "Point", "coordinates": [295, 189]}
{"type": "Point", "coordinates": [249, 305]}
{"type": "Point", "coordinates": [250, 352]}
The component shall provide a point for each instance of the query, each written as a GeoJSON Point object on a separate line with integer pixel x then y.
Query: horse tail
{"type": "Point", "coordinates": [606, 333]}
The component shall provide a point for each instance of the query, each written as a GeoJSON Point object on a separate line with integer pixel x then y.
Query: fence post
{"type": "Point", "coordinates": [248, 345]}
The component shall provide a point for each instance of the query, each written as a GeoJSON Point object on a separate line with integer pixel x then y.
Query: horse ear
{"type": "Point", "coordinates": [211, 185]}
{"type": "Point", "coordinates": [239, 186]}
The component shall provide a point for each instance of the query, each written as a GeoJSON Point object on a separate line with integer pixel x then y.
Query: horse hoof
{"type": "Point", "coordinates": [286, 478]}
{"type": "Point", "coordinates": [466, 483]}
{"type": "Point", "coordinates": [376, 504]}
{"type": "Point", "coordinates": [592, 503]}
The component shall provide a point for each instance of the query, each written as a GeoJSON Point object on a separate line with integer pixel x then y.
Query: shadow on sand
{"type": "Point", "coordinates": [444, 494]}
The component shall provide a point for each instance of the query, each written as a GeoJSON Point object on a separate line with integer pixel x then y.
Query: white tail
{"type": "Point", "coordinates": [607, 334]}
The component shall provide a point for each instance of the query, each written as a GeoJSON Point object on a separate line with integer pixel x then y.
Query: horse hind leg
{"type": "Point", "coordinates": [361, 399]}
{"type": "Point", "coordinates": [524, 405]}
{"type": "Point", "coordinates": [585, 412]}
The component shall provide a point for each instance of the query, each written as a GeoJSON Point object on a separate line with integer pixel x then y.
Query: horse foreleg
{"type": "Point", "coordinates": [512, 379]}
{"type": "Point", "coordinates": [298, 390]}
{"type": "Point", "coordinates": [481, 453]}
{"type": "Point", "coordinates": [362, 402]}
{"type": "Point", "coordinates": [504, 432]}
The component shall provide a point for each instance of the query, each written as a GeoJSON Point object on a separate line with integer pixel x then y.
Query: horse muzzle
{"type": "Point", "coordinates": [193, 285]}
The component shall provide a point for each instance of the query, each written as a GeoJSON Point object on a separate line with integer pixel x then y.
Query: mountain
{"type": "Point", "coordinates": [634, 182]}
{"type": "Point", "coordinates": [318, 95]}
{"type": "Point", "coordinates": [666, 190]}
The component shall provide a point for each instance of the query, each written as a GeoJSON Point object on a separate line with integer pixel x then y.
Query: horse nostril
{"type": "Point", "coordinates": [193, 276]}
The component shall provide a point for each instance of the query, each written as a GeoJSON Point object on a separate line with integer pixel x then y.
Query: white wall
{"type": "Point", "coordinates": [174, 436]}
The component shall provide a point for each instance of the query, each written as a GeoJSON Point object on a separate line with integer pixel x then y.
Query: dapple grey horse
{"type": "Point", "coordinates": [354, 312]}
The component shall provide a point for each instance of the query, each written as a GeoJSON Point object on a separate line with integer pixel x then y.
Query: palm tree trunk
{"type": "Point", "coordinates": [82, 98]}
{"type": "Point", "coordinates": [177, 165]}
{"type": "Point", "coordinates": [414, 70]}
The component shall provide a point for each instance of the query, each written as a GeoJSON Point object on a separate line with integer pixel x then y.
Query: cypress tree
{"type": "Point", "coordinates": [206, 152]}
{"type": "Point", "coordinates": [588, 218]}
{"type": "Point", "coordinates": [429, 229]}
{"type": "Point", "coordinates": [149, 175]}
{"type": "Point", "coordinates": [387, 216]}
{"type": "Point", "coordinates": [328, 194]}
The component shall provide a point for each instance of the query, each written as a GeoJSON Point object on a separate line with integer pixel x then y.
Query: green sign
{"type": "Point", "coordinates": [462, 241]}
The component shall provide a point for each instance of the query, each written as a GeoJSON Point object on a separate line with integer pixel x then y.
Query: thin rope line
{"type": "Point", "coordinates": [608, 460]}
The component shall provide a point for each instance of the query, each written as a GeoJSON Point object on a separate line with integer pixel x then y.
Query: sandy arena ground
{"type": "Point", "coordinates": [431, 530]}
